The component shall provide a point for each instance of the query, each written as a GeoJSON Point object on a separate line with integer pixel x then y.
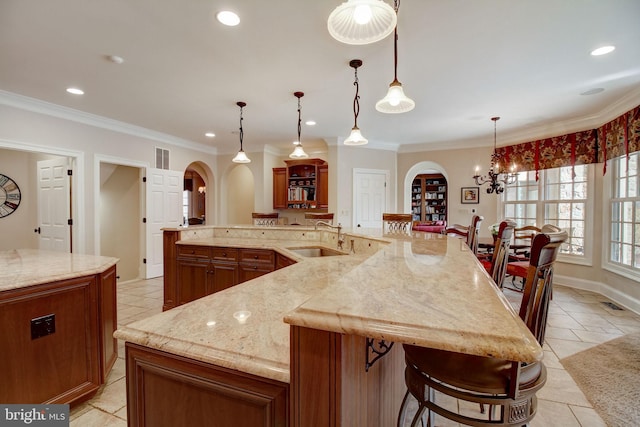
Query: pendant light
{"type": "Point", "coordinates": [356, 137]}
{"type": "Point", "coordinates": [241, 157]}
{"type": "Point", "coordinates": [298, 152]}
{"type": "Point", "coordinates": [396, 101]}
{"type": "Point", "coordinates": [361, 21]}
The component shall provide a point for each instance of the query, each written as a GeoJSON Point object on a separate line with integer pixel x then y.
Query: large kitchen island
{"type": "Point", "coordinates": [298, 346]}
{"type": "Point", "coordinates": [57, 319]}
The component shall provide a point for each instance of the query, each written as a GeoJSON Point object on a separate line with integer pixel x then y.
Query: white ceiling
{"type": "Point", "coordinates": [462, 61]}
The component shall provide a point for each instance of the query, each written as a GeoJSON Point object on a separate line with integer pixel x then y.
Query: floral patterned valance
{"type": "Point", "coordinates": [619, 137]}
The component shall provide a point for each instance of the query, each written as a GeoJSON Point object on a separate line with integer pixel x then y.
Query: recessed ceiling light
{"type": "Point", "coordinates": [115, 59]}
{"type": "Point", "coordinates": [75, 91]}
{"type": "Point", "coordinates": [210, 135]}
{"type": "Point", "coordinates": [593, 91]}
{"type": "Point", "coordinates": [602, 50]}
{"type": "Point", "coordinates": [310, 123]}
{"type": "Point", "coordinates": [229, 18]}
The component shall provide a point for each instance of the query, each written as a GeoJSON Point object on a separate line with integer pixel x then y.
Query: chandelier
{"type": "Point", "coordinates": [496, 178]}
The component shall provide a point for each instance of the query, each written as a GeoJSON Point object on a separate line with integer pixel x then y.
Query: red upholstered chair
{"type": "Point", "coordinates": [469, 233]}
{"type": "Point", "coordinates": [510, 387]}
{"type": "Point", "coordinates": [496, 262]}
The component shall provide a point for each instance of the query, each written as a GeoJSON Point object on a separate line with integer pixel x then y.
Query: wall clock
{"type": "Point", "coordinates": [9, 196]}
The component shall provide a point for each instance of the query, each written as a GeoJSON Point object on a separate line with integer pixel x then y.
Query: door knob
{"type": "Point", "coordinates": [37, 230]}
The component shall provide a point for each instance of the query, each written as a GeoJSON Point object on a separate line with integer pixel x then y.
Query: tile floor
{"type": "Point", "coordinates": [577, 321]}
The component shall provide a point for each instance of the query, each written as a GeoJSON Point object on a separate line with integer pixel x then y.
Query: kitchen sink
{"type": "Point", "coordinates": [315, 251]}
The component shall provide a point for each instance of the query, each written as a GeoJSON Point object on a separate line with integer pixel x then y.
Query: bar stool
{"type": "Point", "coordinates": [396, 223]}
{"type": "Point", "coordinates": [507, 385]}
{"type": "Point", "coordinates": [311, 218]}
{"type": "Point", "coordinates": [265, 219]}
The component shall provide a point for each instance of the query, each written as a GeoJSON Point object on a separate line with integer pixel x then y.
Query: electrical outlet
{"type": "Point", "coordinates": [43, 326]}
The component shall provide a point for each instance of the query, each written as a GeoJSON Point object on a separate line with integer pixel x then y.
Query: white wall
{"type": "Point", "coordinates": [48, 134]}
{"type": "Point", "coordinates": [120, 218]}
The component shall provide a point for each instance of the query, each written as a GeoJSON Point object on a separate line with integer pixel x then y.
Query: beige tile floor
{"type": "Point", "coordinates": [577, 321]}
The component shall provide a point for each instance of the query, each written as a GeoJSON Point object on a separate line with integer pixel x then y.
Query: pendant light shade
{"type": "Point", "coordinates": [356, 138]}
{"type": "Point", "coordinates": [298, 152]}
{"type": "Point", "coordinates": [241, 157]}
{"type": "Point", "coordinates": [361, 21]}
{"type": "Point", "coordinates": [396, 101]}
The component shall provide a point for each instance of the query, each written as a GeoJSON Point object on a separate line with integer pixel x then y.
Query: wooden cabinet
{"type": "Point", "coordinates": [169, 390]}
{"type": "Point", "coordinates": [57, 339]}
{"type": "Point", "coordinates": [255, 262]}
{"type": "Point", "coordinates": [192, 270]}
{"type": "Point", "coordinates": [283, 261]}
{"type": "Point", "coordinates": [304, 186]}
{"type": "Point", "coordinates": [224, 268]}
{"type": "Point", "coordinates": [279, 188]}
{"type": "Point", "coordinates": [429, 197]}
{"type": "Point", "coordinates": [323, 186]}
{"type": "Point", "coordinates": [203, 270]}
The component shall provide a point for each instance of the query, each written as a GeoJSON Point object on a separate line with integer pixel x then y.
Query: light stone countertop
{"type": "Point", "coordinates": [426, 289]}
{"type": "Point", "coordinates": [20, 268]}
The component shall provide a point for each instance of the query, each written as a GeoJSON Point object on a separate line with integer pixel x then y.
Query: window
{"type": "Point", "coordinates": [557, 198]}
{"type": "Point", "coordinates": [624, 238]}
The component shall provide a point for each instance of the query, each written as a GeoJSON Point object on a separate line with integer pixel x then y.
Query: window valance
{"type": "Point", "coordinates": [616, 138]}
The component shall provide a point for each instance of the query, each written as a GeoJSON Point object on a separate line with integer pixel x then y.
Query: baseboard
{"type": "Point", "coordinates": [613, 294]}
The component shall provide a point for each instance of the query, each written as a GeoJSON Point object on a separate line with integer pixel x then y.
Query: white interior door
{"type": "Point", "coordinates": [54, 209]}
{"type": "Point", "coordinates": [370, 194]}
{"type": "Point", "coordinates": [163, 209]}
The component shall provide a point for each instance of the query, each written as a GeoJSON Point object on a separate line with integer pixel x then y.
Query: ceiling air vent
{"type": "Point", "coordinates": [162, 158]}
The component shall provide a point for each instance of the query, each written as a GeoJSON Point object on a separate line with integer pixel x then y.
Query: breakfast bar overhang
{"type": "Point", "coordinates": [298, 356]}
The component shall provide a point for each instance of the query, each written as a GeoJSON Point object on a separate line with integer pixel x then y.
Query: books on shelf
{"type": "Point", "coordinates": [301, 193]}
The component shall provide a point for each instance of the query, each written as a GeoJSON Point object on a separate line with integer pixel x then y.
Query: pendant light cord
{"type": "Point", "coordinates": [356, 100]}
{"type": "Point", "coordinates": [396, 4]}
{"type": "Point", "coordinates": [241, 131]}
{"type": "Point", "coordinates": [299, 122]}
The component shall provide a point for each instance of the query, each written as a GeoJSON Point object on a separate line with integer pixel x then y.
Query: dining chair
{"type": "Point", "coordinates": [508, 387]}
{"type": "Point", "coordinates": [311, 218]}
{"type": "Point", "coordinates": [496, 262]}
{"type": "Point", "coordinates": [265, 219]}
{"type": "Point", "coordinates": [519, 258]}
{"type": "Point", "coordinates": [396, 223]}
{"type": "Point", "coordinates": [470, 233]}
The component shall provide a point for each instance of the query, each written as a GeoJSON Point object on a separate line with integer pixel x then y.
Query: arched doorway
{"type": "Point", "coordinates": [426, 193]}
{"type": "Point", "coordinates": [194, 199]}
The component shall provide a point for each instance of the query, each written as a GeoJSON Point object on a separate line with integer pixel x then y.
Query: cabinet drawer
{"type": "Point", "coordinates": [262, 256]}
{"type": "Point", "coordinates": [224, 254]}
{"type": "Point", "coordinates": [193, 251]}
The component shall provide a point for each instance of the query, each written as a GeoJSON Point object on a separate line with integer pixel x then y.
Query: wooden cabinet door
{"type": "Point", "coordinates": [279, 188]}
{"type": "Point", "coordinates": [251, 271]}
{"type": "Point", "coordinates": [283, 261]}
{"type": "Point", "coordinates": [108, 321]}
{"type": "Point", "coordinates": [323, 187]}
{"type": "Point", "coordinates": [224, 275]}
{"type": "Point", "coordinates": [192, 274]}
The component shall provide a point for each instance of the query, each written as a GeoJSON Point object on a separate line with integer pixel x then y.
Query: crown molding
{"type": "Point", "coordinates": [46, 108]}
{"type": "Point", "coordinates": [517, 136]}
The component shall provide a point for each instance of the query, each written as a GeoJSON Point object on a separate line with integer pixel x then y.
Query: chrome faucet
{"type": "Point", "coordinates": [339, 227]}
